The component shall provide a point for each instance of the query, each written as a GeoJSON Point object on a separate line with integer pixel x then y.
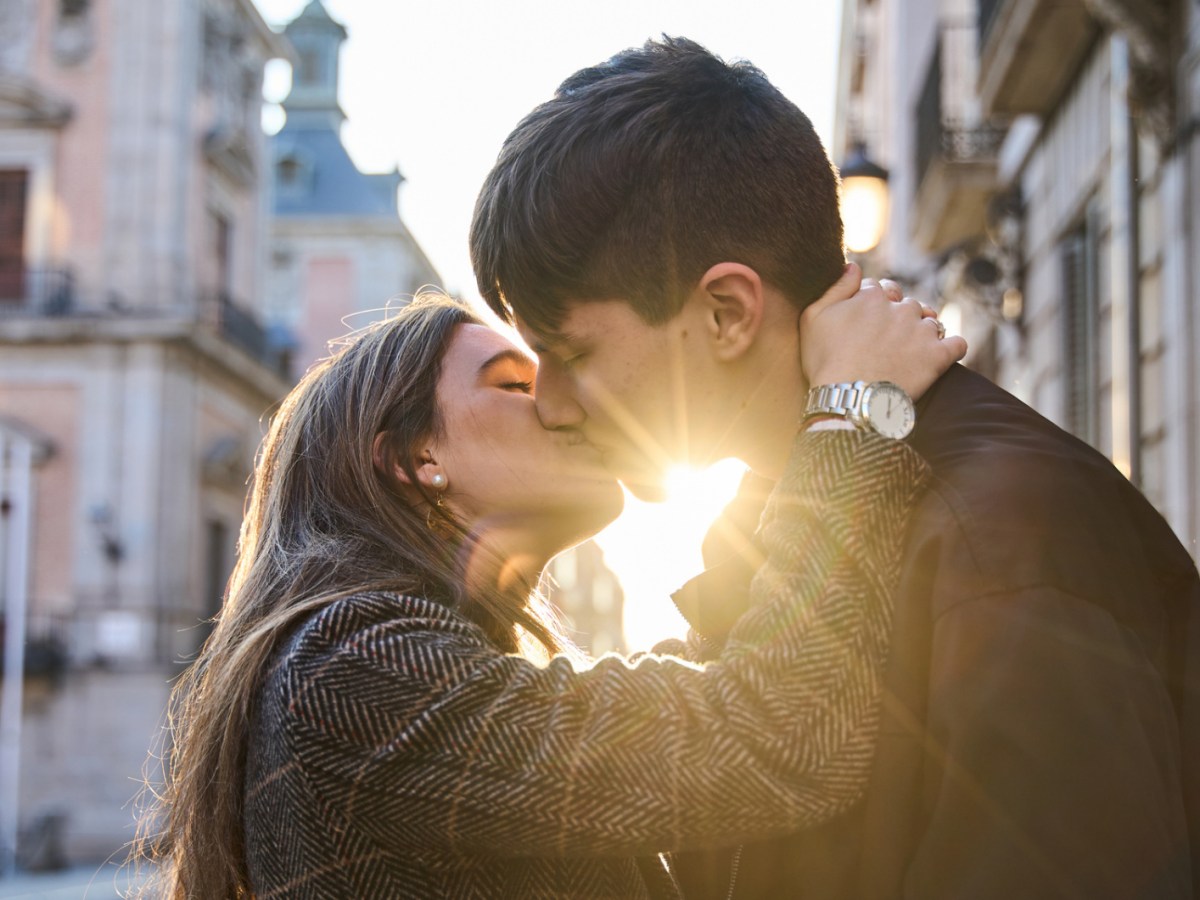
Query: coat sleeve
{"type": "Point", "coordinates": [431, 740]}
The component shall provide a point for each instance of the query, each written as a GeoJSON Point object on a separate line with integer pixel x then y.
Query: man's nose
{"type": "Point", "coordinates": [554, 397]}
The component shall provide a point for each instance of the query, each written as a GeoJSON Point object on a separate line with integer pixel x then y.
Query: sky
{"type": "Point", "coordinates": [435, 86]}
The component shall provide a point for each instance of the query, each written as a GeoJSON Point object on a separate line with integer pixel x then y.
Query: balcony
{"type": "Point", "coordinates": [36, 292]}
{"type": "Point", "coordinates": [956, 149]}
{"type": "Point", "coordinates": [31, 296]}
{"type": "Point", "coordinates": [240, 327]}
{"type": "Point", "coordinates": [1029, 50]}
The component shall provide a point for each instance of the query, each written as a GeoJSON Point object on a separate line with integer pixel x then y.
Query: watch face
{"type": "Point", "coordinates": [889, 410]}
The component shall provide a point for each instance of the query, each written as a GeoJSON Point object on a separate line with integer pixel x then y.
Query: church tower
{"type": "Point", "coordinates": [314, 95]}
{"type": "Point", "coordinates": [340, 251]}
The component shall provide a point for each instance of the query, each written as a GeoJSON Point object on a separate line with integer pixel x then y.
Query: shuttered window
{"type": "Point", "coordinates": [1080, 333]}
{"type": "Point", "coordinates": [14, 184]}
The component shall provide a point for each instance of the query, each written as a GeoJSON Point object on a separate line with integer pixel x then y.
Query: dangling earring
{"type": "Point", "coordinates": [430, 520]}
{"type": "Point", "coordinates": [439, 482]}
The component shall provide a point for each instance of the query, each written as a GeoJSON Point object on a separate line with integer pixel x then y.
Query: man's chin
{"type": "Point", "coordinates": [640, 478]}
{"type": "Point", "coordinates": [646, 488]}
{"type": "Point", "coordinates": [647, 493]}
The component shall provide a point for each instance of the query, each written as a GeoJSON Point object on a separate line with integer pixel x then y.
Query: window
{"type": "Point", "coordinates": [216, 565]}
{"type": "Point", "coordinates": [222, 250]}
{"type": "Point", "coordinates": [251, 85]}
{"type": "Point", "coordinates": [293, 174]}
{"type": "Point", "coordinates": [309, 71]}
{"type": "Point", "coordinates": [986, 16]}
{"type": "Point", "coordinates": [14, 184]}
{"type": "Point", "coordinates": [1080, 315]}
{"type": "Point", "coordinates": [72, 9]}
{"type": "Point", "coordinates": [289, 171]}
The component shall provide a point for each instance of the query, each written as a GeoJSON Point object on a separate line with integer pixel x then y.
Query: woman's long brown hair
{"type": "Point", "coordinates": [322, 521]}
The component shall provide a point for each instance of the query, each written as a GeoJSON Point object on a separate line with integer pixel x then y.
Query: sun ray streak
{"type": "Point", "coordinates": [650, 569]}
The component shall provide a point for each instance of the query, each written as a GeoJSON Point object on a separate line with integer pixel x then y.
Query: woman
{"type": "Point", "coordinates": [382, 710]}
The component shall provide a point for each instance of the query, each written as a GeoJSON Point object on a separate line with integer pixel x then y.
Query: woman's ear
{"type": "Point", "coordinates": [733, 296]}
{"type": "Point", "coordinates": [379, 455]}
{"type": "Point", "coordinates": [429, 474]}
{"type": "Point", "coordinates": [384, 461]}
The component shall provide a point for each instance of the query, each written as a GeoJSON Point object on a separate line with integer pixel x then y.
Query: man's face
{"type": "Point", "coordinates": [635, 391]}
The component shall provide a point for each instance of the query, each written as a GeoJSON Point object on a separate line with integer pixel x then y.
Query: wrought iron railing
{"type": "Point", "coordinates": [54, 292]}
{"type": "Point", "coordinates": [39, 292]}
{"type": "Point", "coordinates": [236, 324]}
{"type": "Point", "coordinates": [949, 125]}
{"type": "Point", "coordinates": [47, 639]}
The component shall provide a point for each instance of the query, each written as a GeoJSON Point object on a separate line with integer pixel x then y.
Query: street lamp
{"type": "Point", "coordinates": [20, 452]}
{"type": "Point", "coordinates": [864, 200]}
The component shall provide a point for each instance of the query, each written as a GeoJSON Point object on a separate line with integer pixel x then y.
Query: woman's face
{"type": "Point", "coordinates": [505, 472]}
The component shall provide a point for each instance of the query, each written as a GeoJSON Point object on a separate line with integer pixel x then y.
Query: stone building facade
{"type": "Point", "coordinates": [1045, 188]}
{"type": "Point", "coordinates": [133, 220]}
{"type": "Point", "coordinates": [590, 599]}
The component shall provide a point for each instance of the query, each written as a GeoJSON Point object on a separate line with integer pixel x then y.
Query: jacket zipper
{"type": "Point", "coordinates": [733, 870]}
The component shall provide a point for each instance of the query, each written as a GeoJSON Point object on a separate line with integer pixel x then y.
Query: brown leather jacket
{"type": "Point", "coordinates": [1041, 730]}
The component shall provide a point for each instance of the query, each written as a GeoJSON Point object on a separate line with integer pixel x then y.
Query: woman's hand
{"type": "Point", "coordinates": [856, 332]}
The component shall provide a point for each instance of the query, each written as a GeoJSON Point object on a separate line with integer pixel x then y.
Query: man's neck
{"type": "Point", "coordinates": [765, 427]}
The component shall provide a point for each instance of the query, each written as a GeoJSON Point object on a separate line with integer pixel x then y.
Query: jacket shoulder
{"type": "Point", "coordinates": [1017, 502]}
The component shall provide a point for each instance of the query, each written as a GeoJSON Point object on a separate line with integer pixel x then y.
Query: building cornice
{"type": "Point", "coordinates": [25, 105]}
{"type": "Point", "coordinates": [176, 331]}
{"type": "Point", "coordinates": [278, 46]}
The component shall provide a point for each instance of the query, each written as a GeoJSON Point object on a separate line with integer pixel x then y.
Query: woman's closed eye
{"type": "Point", "coordinates": [523, 386]}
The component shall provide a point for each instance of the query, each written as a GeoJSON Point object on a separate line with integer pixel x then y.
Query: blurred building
{"type": "Point", "coordinates": [339, 249]}
{"type": "Point", "coordinates": [589, 595]}
{"type": "Point", "coordinates": [1045, 189]}
{"type": "Point", "coordinates": [133, 374]}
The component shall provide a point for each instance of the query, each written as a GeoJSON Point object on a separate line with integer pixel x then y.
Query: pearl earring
{"type": "Point", "coordinates": [438, 481]}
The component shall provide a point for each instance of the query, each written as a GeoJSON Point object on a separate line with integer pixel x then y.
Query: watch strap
{"type": "Point", "coordinates": [841, 399]}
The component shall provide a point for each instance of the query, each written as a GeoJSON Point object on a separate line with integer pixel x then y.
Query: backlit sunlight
{"type": "Point", "coordinates": [655, 547]}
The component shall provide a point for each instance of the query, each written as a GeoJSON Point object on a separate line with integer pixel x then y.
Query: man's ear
{"type": "Point", "coordinates": [424, 464]}
{"type": "Point", "coordinates": [732, 297]}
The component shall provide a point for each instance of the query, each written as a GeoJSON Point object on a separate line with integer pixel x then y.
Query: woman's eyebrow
{"type": "Point", "coordinates": [509, 354]}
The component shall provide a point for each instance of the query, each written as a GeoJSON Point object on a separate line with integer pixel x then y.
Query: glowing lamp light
{"type": "Point", "coordinates": [864, 200]}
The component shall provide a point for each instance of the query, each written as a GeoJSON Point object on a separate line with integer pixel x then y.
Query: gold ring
{"type": "Point", "coordinates": [940, 328]}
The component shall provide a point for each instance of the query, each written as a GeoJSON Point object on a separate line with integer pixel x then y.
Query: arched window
{"type": "Point", "coordinates": [289, 171]}
{"type": "Point", "coordinates": [309, 71]}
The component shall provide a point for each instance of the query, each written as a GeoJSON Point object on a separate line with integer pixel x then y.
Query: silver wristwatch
{"type": "Point", "coordinates": [879, 406]}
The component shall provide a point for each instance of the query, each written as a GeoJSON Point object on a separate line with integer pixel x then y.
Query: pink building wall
{"type": "Point", "coordinates": [83, 146]}
{"type": "Point", "coordinates": [53, 411]}
{"type": "Point", "coordinates": [329, 290]}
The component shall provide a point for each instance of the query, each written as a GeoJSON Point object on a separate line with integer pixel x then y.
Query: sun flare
{"type": "Point", "coordinates": [653, 548]}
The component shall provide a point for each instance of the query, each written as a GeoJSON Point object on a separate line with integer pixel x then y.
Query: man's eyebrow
{"type": "Point", "coordinates": [549, 341]}
{"type": "Point", "coordinates": [509, 354]}
{"type": "Point", "coordinates": [541, 341]}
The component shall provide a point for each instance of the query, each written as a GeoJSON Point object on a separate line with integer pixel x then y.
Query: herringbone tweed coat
{"type": "Point", "coordinates": [397, 753]}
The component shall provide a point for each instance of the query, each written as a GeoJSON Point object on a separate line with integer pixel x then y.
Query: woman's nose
{"type": "Point", "coordinates": [555, 400]}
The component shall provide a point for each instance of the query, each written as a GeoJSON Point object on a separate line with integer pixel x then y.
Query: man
{"type": "Point", "coordinates": [654, 230]}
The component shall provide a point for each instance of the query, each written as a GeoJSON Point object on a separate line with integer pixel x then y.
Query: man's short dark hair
{"type": "Point", "coordinates": [643, 172]}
